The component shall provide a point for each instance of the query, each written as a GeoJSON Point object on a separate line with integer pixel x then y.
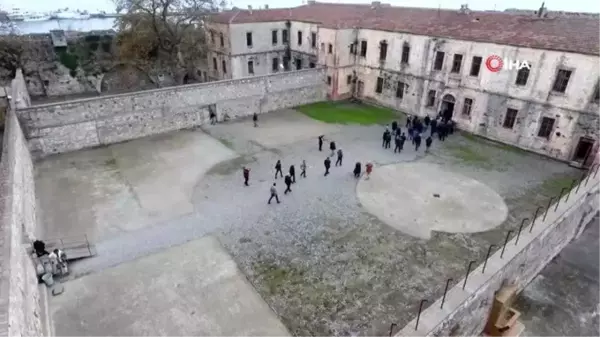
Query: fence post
{"type": "Point", "coordinates": [520, 229]}
{"type": "Point", "coordinates": [419, 315]}
{"type": "Point", "coordinates": [548, 207]}
{"type": "Point", "coordinates": [572, 186]}
{"type": "Point", "coordinates": [505, 242]}
{"type": "Point", "coordinates": [445, 291]}
{"type": "Point", "coordinates": [559, 197]}
{"type": "Point", "coordinates": [467, 275]}
{"type": "Point", "coordinates": [487, 256]}
{"type": "Point", "coordinates": [580, 182]}
{"type": "Point", "coordinates": [392, 329]}
{"type": "Point", "coordinates": [534, 218]}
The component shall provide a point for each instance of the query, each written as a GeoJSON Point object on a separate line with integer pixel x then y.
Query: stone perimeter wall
{"type": "Point", "coordinates": [466, 311]}
{"type": "Point", "coordinates": [20, 310]}
{"type": "Point", "coordinates": [73, 125]}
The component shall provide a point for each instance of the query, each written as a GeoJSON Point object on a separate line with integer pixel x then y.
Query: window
{"type": "Point", "coordinates": [349, 79]}
{"type": "Point", "coordinates": [379, 87]}
{"type": "Point", "coordinates": [274, 37]}
{"type": "Point", "coordinates": [298, 63]}
{"type": "Point", "coordinates": [328, 80]}
{"type": "Point", "coordinates": [284, 36]}
{"type": "Point", "coordinates": [382, 50]}
{"type": "Point", "coordinates": [330, 48]}
{"type": "Point", "coordinates": [456, 63]}
{"type": "Point", "coordinates": [311, 64]}
{"type": "Point", "coordinates": [431, 98]}
{"type": "Point", "coordinates": [249, 39]}
{"type": "Point", "coordinates": [400, 90]}
{"type": "Point", "coordinates": [222, 39]}
{"type": "Point", "coordinates": [353, 48]}
{"type": "Point", "coordinates": [323, 46]}
{"type": "Point", "coordinates": [546, 127]}
{"type": "Point", "coordinates": [522, 76]}
{"type": "Point", "coordinates": [313, 39]}
{"type": "Point", "coordinates": [212, 37]}
{"type": "Point", "coordinates": [562, 79]}
{"type": "Point", "coordinates": [467, 106]}
{"type": "Point", "coordinates": [510, 118]}
{"type": "Point", "coordinates": [439, 60]}
{"type": "Point", "coordinates": [224, 66]}
{"type": "Point", "coordinates": [363, 48]}
{"type": "Point", "coordinates": [251, 67]}
{"type": "Point", "coordinates": [286, 64]}
{"type": "Point", "coordinates": [215, 64]}
{"type": "Point", "coordinates": [299, 38]}
{"type": "Point", "coordinates": [475, 66]}
{"type": "Point", "coordinates": [405, 53]}
{"type": "Point", "coordinates": [275, 64]}
{"type": "Point", "coordinates": [596, 97]}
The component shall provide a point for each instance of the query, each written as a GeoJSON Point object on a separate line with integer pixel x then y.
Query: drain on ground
{"type": "Point", "coordinates": [435, 195]}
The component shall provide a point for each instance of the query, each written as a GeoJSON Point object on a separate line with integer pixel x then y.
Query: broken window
{"type": "Point", "coordinates": [328, 80]}
{"type": "Point", "coordinates": [313, 39]}
{"type": "Point", "coordinates": [467, 106]}
{"type": "Point", "coordinates": [274, 37]}
{"type": "Point", "coordinates": [299, 38]}
{"type": "Point", "coordinates": [224, 66]}
{"type": "Point", "coordinates": [439, 60]}
{"type": "Point", "coordinates": [405, 53]}
{"type": "Point", "coordinates": [379, 86]}
{"type": "Point", "coordinates": [215, 64]}
{"type": "Point", "coordinates": [330, 48]}
{"type": "Point", "coordinates": [284, 36]}
{"type": "Point", "coordinates": [382, 50]}
{"type": "Point", "coordinates": [475, 65]}
{"type": "Point", "coordinates": [431, 98]}
{"type": "Point", "coordinates": [522, 76]}
{"type": "Point", "coordinates": [562, 79]}
{"type": "Point", "coordinates": [456, 63]}
{"type": "Point", "coordinates": [546, 127]}
{"type": "Point", "coordinates": [363, 48]}
{"type": "Point", "coordinates": [510, 118]}
{"type": "Point", "coordinates": [275, 64]}
{"type": "Point", "coordinates": [400, 90]}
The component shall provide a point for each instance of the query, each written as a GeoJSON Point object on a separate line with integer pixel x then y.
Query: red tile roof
{"type": "Point", "coordinates": [563, 33]}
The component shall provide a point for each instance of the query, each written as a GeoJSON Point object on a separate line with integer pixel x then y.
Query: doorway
{"type": "Point", "coordinates": [360, 89]}
{"type": "Point", "coordinates": [447, 108]}
{"type": "Point", "coordinates": [583, 150]}
{"type": "Point", "coordinates": [298, 64]}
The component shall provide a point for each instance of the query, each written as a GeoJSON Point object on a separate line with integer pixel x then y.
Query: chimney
{"type": "Point", "coordinates": [464, 9]}
{"type": "Point", "coordinates": [250, 9]}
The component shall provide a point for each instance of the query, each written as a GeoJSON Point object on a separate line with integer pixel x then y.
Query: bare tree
{"type": "Point", "coordinates": [166, 34]}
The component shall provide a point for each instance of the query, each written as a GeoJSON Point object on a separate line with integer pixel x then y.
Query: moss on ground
{"type": "Point", "coordinates": [350, 113]}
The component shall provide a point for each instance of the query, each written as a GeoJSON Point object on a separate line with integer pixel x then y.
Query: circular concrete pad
{"type": "Point", "coordinates": [417, 198]}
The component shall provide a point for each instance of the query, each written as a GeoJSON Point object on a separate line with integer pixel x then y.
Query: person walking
{"type": "Point", "coordinates": [369, 170]}
{"type": "Point", "coordinates": [383, 138]}
{"type": "Point", "coordinates": [357, 170]}
{"type": "Point", "coordinates": [428, 142]}
{"type": "Point", "coordinates": [273, 194]}
{"type": "Point", "coordinates": [321, 142]}
{"type": "Point", "coordinates": [397, 144]}
{"type": "Point", "coordinates": [288, 182]}
{"type": "Point", "coordinates": [278, 169]}
{"type": "Point", "coordinates": [293, 174]}
{"type": "Point", "coordinates": [303, 169]}
{"type": "Point", "coordinates": [246, 172]}
{"type": "Point", "coordinates": [327, 164]}
{"type": "Point", "coordinates": [417, 141]}
{"type": "Point", "coordinates": [340, 155]}
{"type": "Point", "coordinates": [255, 119]}
{"type": "Point", "coordinates": [332, 148]}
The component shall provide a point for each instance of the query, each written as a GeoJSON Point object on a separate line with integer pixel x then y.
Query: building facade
{"type": "Point", "coordinates": [422, 61]}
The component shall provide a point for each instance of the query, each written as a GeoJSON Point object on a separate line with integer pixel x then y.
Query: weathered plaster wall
{"type": "Point", "coordinates": [19, 292]}
{"type": "Point", "coordinates": [72, 125]}
{"type": "Point", "coordinates": [466, 311]}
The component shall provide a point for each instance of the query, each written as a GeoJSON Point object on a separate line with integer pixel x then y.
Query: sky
{"type": "Point", "coordinates": [108, 6]}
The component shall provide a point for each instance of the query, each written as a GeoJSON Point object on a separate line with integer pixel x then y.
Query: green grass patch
{"type": "Point", "coordinates": [349, 113]}
{"type": "Point", "coordinates": [553, 185]}
{"type": "Point", "coordinates": [468, 155]}
{"type": "Point", "coordinates": [505, 147]}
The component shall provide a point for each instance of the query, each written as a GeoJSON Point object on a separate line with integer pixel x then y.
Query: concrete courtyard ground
{"type": "Point", "coordinates": [321, 261]}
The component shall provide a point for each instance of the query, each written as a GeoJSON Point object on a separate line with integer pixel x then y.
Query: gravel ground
{"type": "Point", "coordinates": [323, 264]}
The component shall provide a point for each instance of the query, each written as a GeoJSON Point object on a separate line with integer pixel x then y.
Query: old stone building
{"type": "Point", "coordinates": [423, 61]}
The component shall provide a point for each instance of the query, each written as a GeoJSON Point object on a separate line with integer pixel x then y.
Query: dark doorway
{"type": "Point", "coordinates": [447, 108]}
{"type": "Point", "coordinates": [298, 64]}
{"type": "Point", "coordinates": [583, 150]}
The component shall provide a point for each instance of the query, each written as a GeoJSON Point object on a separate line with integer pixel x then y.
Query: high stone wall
{"type": "Point", "coordinates": [73, 125]}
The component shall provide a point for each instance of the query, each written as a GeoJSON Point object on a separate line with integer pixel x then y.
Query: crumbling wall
{"type": "Point", "coordinates": [72, 125]}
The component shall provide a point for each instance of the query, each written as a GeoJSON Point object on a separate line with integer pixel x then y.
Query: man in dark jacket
{"type": "Point", "coordinates": [246, 172]}
{"type": "Point", "coordinates": [288, 183]}
{"type": "Point", "coordinates": [428, 142]}
{"type": "Point", "coordinates": [327, 164]}
{"type": "Point", "coordinates": [417, 141]}
{"type": "Point", "coordinates": [293, 174]}
{"type": "Point", "coordinates": [340, 155]}
{"type": "Point", "coordinates": [321, 142]}
{"type": "Point", "coordinates": [278, 169]}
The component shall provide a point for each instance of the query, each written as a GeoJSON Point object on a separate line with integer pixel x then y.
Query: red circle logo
{"type": "Point", "coordinates": [494, 63]}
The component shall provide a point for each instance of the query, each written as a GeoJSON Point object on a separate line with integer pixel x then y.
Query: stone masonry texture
{"type": "Point", "coordinates": [468, 315]}
{"type": "Point", "coordinates": [73, 125]}
{"type": "Point", "coordinates": [19, 291]}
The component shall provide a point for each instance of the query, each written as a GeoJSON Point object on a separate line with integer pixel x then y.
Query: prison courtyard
{"type": "Point", "coordinates": [184, 248]}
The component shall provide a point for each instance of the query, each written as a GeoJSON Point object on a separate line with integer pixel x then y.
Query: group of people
{"type": "Point", "coordinates": [54, 262]}
{"type": "Point", "coordinates": [416, 128]}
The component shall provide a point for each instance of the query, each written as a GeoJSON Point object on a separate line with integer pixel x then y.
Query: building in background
{"type": "Point", "coordinates": [423, 61]}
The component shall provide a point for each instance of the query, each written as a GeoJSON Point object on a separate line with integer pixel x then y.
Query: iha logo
{"type": "Point", "coordinates": [495, 63]}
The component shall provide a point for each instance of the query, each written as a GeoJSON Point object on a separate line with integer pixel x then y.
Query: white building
{"type": "Point", "coordinates": [423, 61]}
